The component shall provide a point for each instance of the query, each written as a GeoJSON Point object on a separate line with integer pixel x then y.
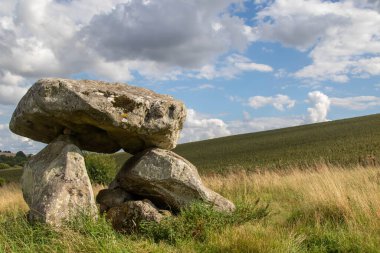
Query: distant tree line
{"type": "Point", "coordinates": [19, 159]}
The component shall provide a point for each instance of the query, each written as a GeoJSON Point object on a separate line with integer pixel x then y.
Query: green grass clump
{"type": "Point", "coordinates": [198, 221]}
{"type": "Point", "coordinates": [4, 166]}
{"type": "Point", "coordinates": [3, 181]}
{"type": "Point", "coordinates": [101, 168]}
{"type": "Point", "coordinates": [84, 234]}
{"type": "Point", "coordinates": [12, 174]}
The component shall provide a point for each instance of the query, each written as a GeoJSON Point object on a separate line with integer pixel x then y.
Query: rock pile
{"type": "Point", "coordinates": [73, 115]}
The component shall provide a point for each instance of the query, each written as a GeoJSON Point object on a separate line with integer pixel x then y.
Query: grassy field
{"type": "Point", "coordinates": [323, 209]}
{"type": "Point", "coordinates": [313, 188]}
{"type": "Point", "coordinates": [343, 142]}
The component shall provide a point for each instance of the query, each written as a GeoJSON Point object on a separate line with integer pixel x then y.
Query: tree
{"type": "Point", "coordinates": [20, 154]}
{"type": "Point", "coordinates": [4, 166]}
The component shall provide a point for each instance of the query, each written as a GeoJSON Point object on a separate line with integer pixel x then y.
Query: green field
{"type": "Point", "coordinates": [345, 142]}
{"type": "Point", "coordinates": [342, 142]}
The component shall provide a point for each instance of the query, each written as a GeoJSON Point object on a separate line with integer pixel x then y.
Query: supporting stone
{"type": "Point", "coordinates": [55, 183]}
{"type": "Point", "coordinates": [168, 180]}
{"type": "Point", "coordinates": [128, 216]}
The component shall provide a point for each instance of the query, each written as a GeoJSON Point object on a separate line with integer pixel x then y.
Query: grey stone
{"type": "Point", "coordinates": [168, 180]}
{"type": "Point", "coordinates": [103, 117]}
{"type": "Point", "coordinates": [129, 215]}
{"type": "Point", "coordinates": [108, 198]}
{"type": "Point", "coordinates": [55, 184]}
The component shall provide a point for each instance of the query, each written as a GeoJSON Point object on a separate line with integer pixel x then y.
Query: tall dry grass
{"type": "Point", "coordinates": [353, 192]}
{"type": "Point", "coordinates": [320, 209]}
{"type": "Point", "coordinates": [11, 198]}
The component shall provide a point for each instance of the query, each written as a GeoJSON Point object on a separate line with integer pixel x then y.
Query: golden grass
{"type": "Point", "coordinates": [350, 190]}
{"type": "Point", "coordinates": [355, 192]}
{"type": "Point", "coordinates": [11, 197]}
{"type": "Point", "coordinates": [324, 207]}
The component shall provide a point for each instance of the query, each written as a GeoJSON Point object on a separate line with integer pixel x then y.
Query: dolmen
{"type": "Point", "coordinates": [75, 115]}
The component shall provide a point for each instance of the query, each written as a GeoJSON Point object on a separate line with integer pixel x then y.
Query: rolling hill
{"type": "Point", "coordinates": [342, 142]}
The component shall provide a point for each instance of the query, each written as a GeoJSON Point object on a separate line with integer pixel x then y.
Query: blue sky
{"type": "Point", "coordinates": [239, 66]}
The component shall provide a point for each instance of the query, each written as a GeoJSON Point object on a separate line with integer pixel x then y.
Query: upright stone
{"type": "Point", "coordinates": [103, 117]}
{"type": "Point", "coordinates": [55, 183]}
{"type": "Point", "coordinates": [168, 180]}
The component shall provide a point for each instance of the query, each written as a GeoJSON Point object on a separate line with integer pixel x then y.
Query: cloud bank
{"type": "Point", "coordinates": [341, 37]}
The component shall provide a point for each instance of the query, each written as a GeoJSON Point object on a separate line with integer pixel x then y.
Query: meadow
{"type": "Point", "coordinates": [313, 188]}
{"type": "Point", "coordinates": [323, 209]}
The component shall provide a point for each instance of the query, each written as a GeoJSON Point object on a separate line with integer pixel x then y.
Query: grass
{"type": "Point", "coordinates": [323, 209]}
{"type": "Point", "coordinates": [343, 142]}
{"type": "Point", "coordinates": [12, 174]}
{"type": "Point", "coordinates": [313, 188]}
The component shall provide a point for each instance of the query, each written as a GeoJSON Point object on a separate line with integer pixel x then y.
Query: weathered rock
{"type": "Point", "coordinates": [103, 117]}
{"type": "Point", "coordinates": [128, 216]}
{"type": "Point", "coordinates": [108, 198]}
{"type": "Point", "coordinates": [168, 180]}
{"type": "Point", "coordinates": [55, 183]}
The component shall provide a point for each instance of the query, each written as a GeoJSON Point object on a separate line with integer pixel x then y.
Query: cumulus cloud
{"type": "Point", "coordinates": [11, 88]}
{"type": "Point", "coordinates": [321, 105]}
{"type": "Point", "coordinates": [231, 66]}
{"type": "Point", "coordinates": [280, 102]}
{"type": "Point", "coordinates": [14, 143]}
{"type": "Point", "coordinates": [114, 39]}
{"type": "Point", "coordinates": [199, 127]}
{"type": "Point", "coordinates": [249, 125]}
{"type": "Point", "coordinates": [180, 33]}
{"type": "Point", "coordinates": [343, 36]}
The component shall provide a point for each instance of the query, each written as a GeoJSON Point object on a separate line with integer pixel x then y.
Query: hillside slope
{"type": "Point", "coordinates": [342, 142]}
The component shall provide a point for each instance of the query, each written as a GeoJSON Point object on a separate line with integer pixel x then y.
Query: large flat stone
{"type": "Point", "coordinates": [103, 117]}
{"type": "Point", "coordinates": [168, 180]}
{"type": "Point", "coordinates": [55, 184]}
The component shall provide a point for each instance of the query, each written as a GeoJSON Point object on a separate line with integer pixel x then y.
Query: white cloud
{"type": "Point", "coordinates": [321, 105]}
{"type": "Point", "coordinates": [198, 127]}
{"type": "Point", "coordinates": [200, 87]}
{"type": "Point", "coordinates": [187, 37]}
{"type": "Point", "coordinates": [280, 102]}
{"type": "Point", "coordinates": [370, 4]}
{"type": "Point", "coordinates": [356, 103]}
{"type": "Point", "coordinates": [230, 67]}
{"type": "Point", "coordinates": [11, 88]}
{"type": "Point", "coordinates": [110, 39]}
{"type": "Point", "coordinates": [343, 37]}
{"type": "Point", "coordinates": [251, 66]}
{"type": "Point", "coordinates": [14, 143]}
{"type": "Point", "coordinates": [205, 86]}
{"type": "Point", "coordinates": [236, 99]}
{"type": "Point", "coordinates": [11, 94]}
{"type": "Point", "coordinates": [249, 125]}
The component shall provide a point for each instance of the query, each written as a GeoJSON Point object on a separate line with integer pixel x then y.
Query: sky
{"type": "Point", "coordinates": [239, 66]}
